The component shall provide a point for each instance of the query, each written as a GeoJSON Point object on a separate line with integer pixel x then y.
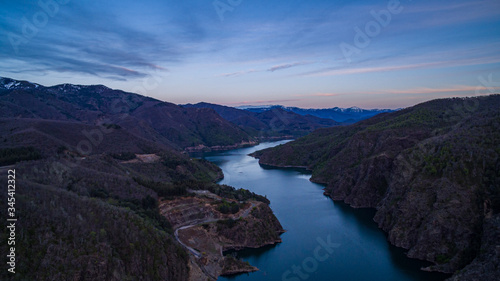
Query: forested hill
{"type": "Point", "coordinates": [161, 122]}
{"type": "Point", "coordinates": [432, 171]}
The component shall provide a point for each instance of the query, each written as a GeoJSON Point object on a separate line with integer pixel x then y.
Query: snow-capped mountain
{"type": "Point", "coordinates": [345, 115]}
{"type": "Point", "coordinates": [10, 84]}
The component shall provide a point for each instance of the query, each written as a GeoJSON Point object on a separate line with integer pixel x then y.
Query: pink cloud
{"type": "Point", "coordinates": [260, 102]}
{"type": "Point", "coordinates": [439, 64]}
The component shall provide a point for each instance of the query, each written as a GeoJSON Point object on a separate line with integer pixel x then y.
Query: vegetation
{"type": "Point", "coordinates": [61, 234]}
{"type": "Point", "coordinates": [124, 156]}
{"type": "Point", "coordinates": [241, 194]}
{"type": "Point", "coordinates": [226, 224]}
{"type": "Point", "coordinates": [9, 156]}
{"type": "Point", "coordinates": [164, 189]}
{"type": "Point", "coordinates": [228, 207]}
{"type": "Point", "coordinates": [112, 126]}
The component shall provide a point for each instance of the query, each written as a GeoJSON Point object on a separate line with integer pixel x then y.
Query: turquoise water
{"type": "Point", "coordinates": [325, 240]}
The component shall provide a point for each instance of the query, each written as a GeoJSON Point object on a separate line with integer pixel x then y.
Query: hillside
{"type": "Point", "coordinates": [431, 171]}
{"type": "Point", "coordinates": [271, 123]}
{"type": "Point", "coordinates": [97, 216]}
{"type": "Point", "coordinates": [161, 122]}
{"type": "Point", "coordinates": [93, 180]}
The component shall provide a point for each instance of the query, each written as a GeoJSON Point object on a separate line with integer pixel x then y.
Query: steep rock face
{"type": "Point", "coordinates": [435, 203]}
{"type": "Point", "coordinates": [486, 266]}
{"type": "Point", "coordinates": [429, 171]}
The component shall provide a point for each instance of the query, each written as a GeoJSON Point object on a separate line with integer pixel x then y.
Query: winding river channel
{"type": "Point", "coordinates": [325, 240]}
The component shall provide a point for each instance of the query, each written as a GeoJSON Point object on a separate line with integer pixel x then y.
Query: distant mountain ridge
{"type": "Point", "coordinates": [148, 118]}
{"type": "Point", "coordinates": [343, 115]}
{"type": "Point", "coordinates": [274, 122]}
{"type": "Point", "coordinates": [202, 126]}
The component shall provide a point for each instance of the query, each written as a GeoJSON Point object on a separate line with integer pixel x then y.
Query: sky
{"type": "Point", "coordinates": [311, 54]}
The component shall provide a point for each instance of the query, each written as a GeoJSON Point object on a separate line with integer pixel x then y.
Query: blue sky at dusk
{"type": "Point", "coordinates": [371, 54]}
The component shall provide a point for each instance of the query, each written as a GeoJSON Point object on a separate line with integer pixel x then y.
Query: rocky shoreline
{"type": "Point", "coordinates": [207, 233]}
{"type": "Point", "coordinates": [204, 148]}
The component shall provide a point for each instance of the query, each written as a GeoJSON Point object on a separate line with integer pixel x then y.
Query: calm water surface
{"type": "Point", "coordinates": [355, 248]}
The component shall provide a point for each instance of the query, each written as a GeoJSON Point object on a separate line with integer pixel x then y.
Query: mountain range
{"type": "Point", "coordinates": [201, 126]}
{"type": "Point", "coordinates": [343, 115]}
{"type": "Point", "coordinates": [160, 122]}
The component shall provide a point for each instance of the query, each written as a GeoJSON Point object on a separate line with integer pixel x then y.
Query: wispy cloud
{"type": "Point", "coordinates": [238, 73]}
{"type": "Point", "coordinates": [82, 39]}
{"type": "Point", "coordinates": [320, 95]}
{"type": "Point", "coordinates": [439, 64]}
{"type": "Point", "coordinates": [268, 41]}
{"type": "Point", "coordinates": [457, 89]}
{"type": "Point", "coordinates": [451, 13]}
{"type": "Point", "coordinates": [286, 66]}
{"type": "Point", "coordinates": [261, 102]}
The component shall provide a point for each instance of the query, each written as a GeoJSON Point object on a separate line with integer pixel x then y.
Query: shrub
{"type": "Point", "coordinates": [9, 156]}
{"type": "Point", "coordinates": [124, 156]}
{"type": "Point", "coordinates": [228, 207]}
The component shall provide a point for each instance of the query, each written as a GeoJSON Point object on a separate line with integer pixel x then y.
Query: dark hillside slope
{"type": "Point", "coordinates": [95, 216]}
{"type": "Point", "coordinates": [432, 171]}
{"type": "Point", "coordinates": [83, 139]}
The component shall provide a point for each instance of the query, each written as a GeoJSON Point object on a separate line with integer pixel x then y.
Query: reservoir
{"type": "Point", "coordinates": [325, 240]}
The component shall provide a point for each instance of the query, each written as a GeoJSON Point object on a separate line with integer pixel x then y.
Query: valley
{"type": "Point", "coordinates": [108, 183]}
